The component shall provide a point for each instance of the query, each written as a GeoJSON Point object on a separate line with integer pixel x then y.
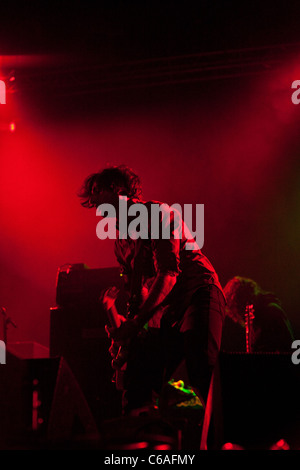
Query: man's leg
{"type": "Point", "coordinates": [144, 370]}
{"type": "Point", "coordinates": [202, 333]}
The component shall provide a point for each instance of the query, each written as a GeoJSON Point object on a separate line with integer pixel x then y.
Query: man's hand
{"type": "Point", "coordinates": [118, 354]}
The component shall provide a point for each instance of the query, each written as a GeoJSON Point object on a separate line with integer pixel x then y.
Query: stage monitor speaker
{"type": "Point", "coordinates": [40, 399]}
{"type": "Point", "coordinates": [260, 399]}
{"type": "Point", "coordinates": [28, 350]}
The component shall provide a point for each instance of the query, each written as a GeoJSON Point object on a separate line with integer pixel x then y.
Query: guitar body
{"type": "Point", "coordinates": [119, 353]}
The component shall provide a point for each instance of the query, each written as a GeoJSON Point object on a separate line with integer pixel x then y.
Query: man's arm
{"type": "Point", "coordinates": [161, 287]}
{"type": "Point", "coordinates": [166, 257]}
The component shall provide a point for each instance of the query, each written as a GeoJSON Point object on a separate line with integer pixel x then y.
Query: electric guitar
{"type": "Point", "coordinates": [119, 353]}
{"type": "Point", "coordinates": [249, 317]}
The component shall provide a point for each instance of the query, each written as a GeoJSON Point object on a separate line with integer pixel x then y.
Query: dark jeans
{"type": "Point", "coordinates": [155, 357]}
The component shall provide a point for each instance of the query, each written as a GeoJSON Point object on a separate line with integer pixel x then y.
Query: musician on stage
{"type": "Point", "coordinates": [176, 306]}
{"type": "Point", "coordinates": [271, 330]}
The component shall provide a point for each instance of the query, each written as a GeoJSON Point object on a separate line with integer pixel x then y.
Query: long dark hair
{"type": "Point", "coordinates": [242, 291]}
{"type": "Point", "coordinates": [119, 179]}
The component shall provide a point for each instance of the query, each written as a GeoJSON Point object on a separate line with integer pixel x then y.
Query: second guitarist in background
{"type": "Point", "coordinates": [175, 291]}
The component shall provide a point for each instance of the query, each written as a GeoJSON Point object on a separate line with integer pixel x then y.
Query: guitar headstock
{"type": "Point", "coordinates": [249, 311]}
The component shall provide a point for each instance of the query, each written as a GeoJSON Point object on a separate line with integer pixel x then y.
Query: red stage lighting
{"type": "Point", "coordinates": [231, 446]}
{"type": "Point", "coordinates": [280, 445]}
{"type": "Point", "coordinates": [2, 92]}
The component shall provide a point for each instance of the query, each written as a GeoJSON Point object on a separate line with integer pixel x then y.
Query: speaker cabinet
{"type": "Point", "coordinates": [41, 399]}
{"type": "Point", "coordinates": [260, 399]}
{"type": "Point", "coordinates": [77, 332]}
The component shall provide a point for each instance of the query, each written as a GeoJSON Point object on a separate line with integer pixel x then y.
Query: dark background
{"type": "Point", "coordinates": [194, 96]}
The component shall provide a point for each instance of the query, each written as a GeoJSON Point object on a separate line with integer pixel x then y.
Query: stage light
{"type": "Point", "coordinates": [231, 446]}
{"type": "Point", "coordinates": [280, 445]}
{"type": "Point", "coordinates": [2, 92]}
{"type": "Point", "coordinates": [12, 127]}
